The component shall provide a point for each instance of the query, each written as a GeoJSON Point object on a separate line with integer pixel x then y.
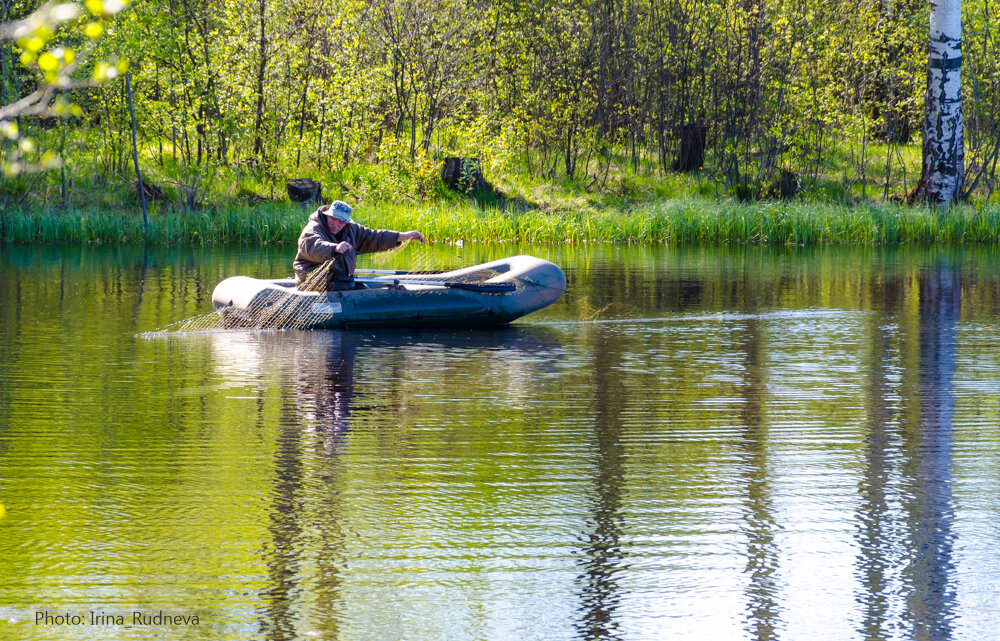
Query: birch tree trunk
{"type": "Point", "coordinates": [943, 154]}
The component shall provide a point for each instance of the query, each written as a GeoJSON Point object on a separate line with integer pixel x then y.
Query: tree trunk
{"type": "Point", "coordinates": [322, 127]}
{"type": "Point", "coordinates": [302, 114]}
{"type": "Point", "coordinates": [258, 141]}
{"type": "Point", "coordinates": [135, 157]}
{"type": "Point", "coordinates": [4, 18]}
{"type": "Point", "coordinates": [413, 117]}
{"type": "Point", "coordinates": [571, 153]}
{"type": "Point", "coordinates": [13, 92]}
{"type": "Point", "coordinates": [62, 161]}
{"type": "Point", "coordinates": [943, 162]}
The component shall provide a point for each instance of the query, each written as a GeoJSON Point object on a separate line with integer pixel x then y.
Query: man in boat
{"type": "Point", "coordinates": [331, 236]}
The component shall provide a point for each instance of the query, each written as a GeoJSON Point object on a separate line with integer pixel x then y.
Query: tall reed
{"type": "Point", "coordinates": [676, 221]}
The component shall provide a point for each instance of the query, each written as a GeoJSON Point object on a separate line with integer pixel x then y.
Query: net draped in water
{"type": "Point", "coordinates": [283, 309]}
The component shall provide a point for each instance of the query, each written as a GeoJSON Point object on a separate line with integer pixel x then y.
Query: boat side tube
{"type": "Point", "coordinates": [537, 283]}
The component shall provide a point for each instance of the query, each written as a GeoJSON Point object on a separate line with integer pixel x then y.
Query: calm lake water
{"type": "Point", "coordinates": [692, 444]}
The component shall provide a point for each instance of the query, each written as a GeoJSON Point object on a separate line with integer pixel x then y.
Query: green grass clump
{"type": "Point", "coordinates": [611, 201]}
{"type": "Point", "coordinates": [705, 221]}
{"type": "Point", "coordinates": [264, 225]}
{"type": "Point", "coordinates": [689, 220]}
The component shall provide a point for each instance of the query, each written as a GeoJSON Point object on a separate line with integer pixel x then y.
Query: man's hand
{"type": "Point", "coordinates": [342, 248]}
{"type": "Point", "coordinates": [412, 235]}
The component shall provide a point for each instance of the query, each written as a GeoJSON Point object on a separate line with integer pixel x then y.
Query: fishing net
{"type": "Point", "coordinates": [420, 259]}
{"type": "Point", "coordinates": [275, 308]}
{"type": "Point", "coordinates": [426, 267]}
{"type": "Point", "coordinates": [284, 307]}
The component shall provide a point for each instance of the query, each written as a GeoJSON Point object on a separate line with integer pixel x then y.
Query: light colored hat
{"type": "Point", "coordinates": [338, 209]}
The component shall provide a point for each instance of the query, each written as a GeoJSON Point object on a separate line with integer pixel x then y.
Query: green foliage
{"type": "Point", "coordinates": [586, 97]}
{"type": "Point", "coordinates": [50, 42]}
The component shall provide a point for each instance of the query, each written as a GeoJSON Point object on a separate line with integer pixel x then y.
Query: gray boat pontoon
{"type": "Point", "coordinates": [487, 295]}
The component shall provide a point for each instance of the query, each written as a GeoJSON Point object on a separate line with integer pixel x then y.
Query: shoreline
{"type": "Point", "coordinates": [673, 221]}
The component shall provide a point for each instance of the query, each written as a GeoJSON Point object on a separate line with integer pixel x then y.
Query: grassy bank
{"type": "Point", "coordinates": [684, 220]}
{"type": "Point", "coordinates": [232, 204]}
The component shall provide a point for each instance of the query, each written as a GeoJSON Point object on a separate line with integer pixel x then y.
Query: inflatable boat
{"type": "Point", "coordinates": [487, 295]}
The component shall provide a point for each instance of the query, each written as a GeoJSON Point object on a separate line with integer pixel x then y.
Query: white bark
{"type": "Point", "coordinates": [944, 156]}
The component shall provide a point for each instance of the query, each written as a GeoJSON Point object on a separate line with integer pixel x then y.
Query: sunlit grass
{"type": "Point", "coordinates": [265, 225]}
{"type": "Point", "coordinates": [227, 204]}
{"type": "Point", "coordinates": [676, 221]}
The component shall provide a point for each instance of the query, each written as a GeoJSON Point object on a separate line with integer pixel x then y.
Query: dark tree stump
{"type": "Point", "coordinates": [465, 175]}
{"type": "Point", "coordinates": [692, 152]}
{"type": "Point", "coordinates": [152, 192]}
{"type": "Point", "coordinates": [787, 185]}
{"type": "Point", "coordinates": [250, 198]}
{"type": "Point", "coordinates": [305, 190]}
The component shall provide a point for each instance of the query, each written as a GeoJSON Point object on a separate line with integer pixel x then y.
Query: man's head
{"type": "Point", "coordinates": [338, 214]}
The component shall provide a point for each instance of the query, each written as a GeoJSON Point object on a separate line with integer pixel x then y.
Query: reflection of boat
{"type": "Point", "coordinates": [490, 294]}
{"type": "Point", "coordinates": [324, 368]}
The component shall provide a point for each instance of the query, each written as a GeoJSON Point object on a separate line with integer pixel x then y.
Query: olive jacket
{"type": "Point", "coordinates": [316, 245]}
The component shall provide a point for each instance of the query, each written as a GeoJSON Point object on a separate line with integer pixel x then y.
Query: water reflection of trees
{"type": "Point", "coordinates": [904, 521]}
{"type": "Point", "coordinates": [758, 523]}
{"type": "Point", "coordinates": [750, 294]}
{"type": "Point", "coordinates": [875, 531]}
{"type": "Point", "coordinates": [928, 573]}
{"type": "Point", "coordinates": [277, 621]}
{"type": "Point", "coordinates": [602, 555]}
{"type": "Point", "coordinates": [314, 420]}
{"type": "Point", "coordinates": [305, 555]}
{"type": "Point", "coordinates": [904, 536]}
